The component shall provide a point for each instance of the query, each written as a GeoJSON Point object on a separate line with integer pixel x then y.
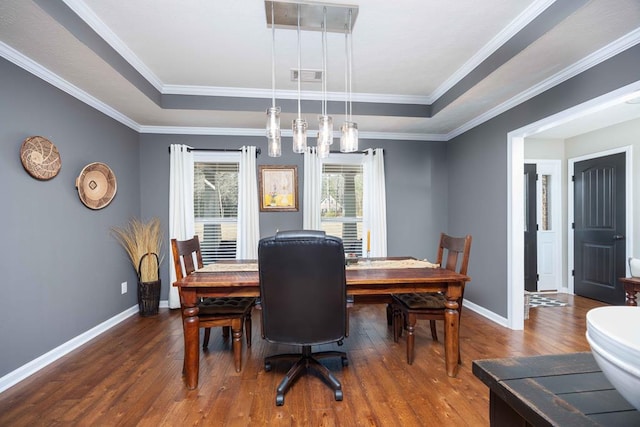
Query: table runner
{"type": "Point", "coordinates": [222, 267]}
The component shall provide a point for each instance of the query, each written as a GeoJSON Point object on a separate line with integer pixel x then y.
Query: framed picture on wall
{"type": "Point", "coordinates": [278, 188]}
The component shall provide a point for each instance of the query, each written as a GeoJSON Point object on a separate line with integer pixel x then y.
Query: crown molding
{"type": "Point", "coordinates": [45, 74]}
{"type": "Point", "coordinates": [620, 45]}
{"type": "Point", "coordinates": [80, 8]}
{"type": "Point", "coordinates": [53, 79]}
{"type": "Point", "coordinates": [186, 130]}
{"type": "Point", "coordinates": [85, 13]}
{"type": "Point", "coordinates": [196, 130]}
{"type": "Point", "coordinates": [494, 44]}
{"type": "Point", "coordinates": [623, 43]}
{"type": "Point", "coordinates": [237, 92]}
{"type": "Point", "coordinates": [402, 136]}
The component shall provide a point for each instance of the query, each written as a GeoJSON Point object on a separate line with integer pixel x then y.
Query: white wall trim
{"type": "Point", "coordinates": [186, 130]}
{"type": "Point", "coordinates": [515, 231]}
{"type": "Point", "coordinates": [37, 364]}
{"type": "Point", "coordinates": [43, 73]}
{"type": "Point", "coordinates": [507, 33]}
{"type": "Point", "coordinates": [12, 55]}
{"type": "Point", "coordinates": [89, 16]}
{"type": "Point", "coordinates": [618, 46]}
{"type": "Point", "coordinates": [310, 95]}
{"type": "Point", "coordinates": [490, 315]}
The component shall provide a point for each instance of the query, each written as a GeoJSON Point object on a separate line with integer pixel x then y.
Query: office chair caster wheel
{"type": "Point", "coordinates": [338, 394]}
{"type": "Point", "coordinates": [267, 366]}
{"type": "Point", "coordinates": [345, 361]}
{"type": "Point", "coordinates": [279, 399]}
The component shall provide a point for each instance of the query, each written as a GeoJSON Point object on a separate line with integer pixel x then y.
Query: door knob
{"type": "Point", "coordinates": [618, 237]}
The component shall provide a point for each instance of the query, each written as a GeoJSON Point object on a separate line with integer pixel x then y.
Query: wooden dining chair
{"type": "Point", "coordinates": [213, 312]}
{"type": "Point", "coordinates": [453, 254]}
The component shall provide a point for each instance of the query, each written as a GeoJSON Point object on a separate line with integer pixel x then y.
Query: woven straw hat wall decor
{"type": "Point", "coordinates": [40, 158]}
{"type": "Point", "coordinates": [96, 185]}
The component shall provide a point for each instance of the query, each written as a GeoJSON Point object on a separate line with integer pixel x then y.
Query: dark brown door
{"type": "Point", "coordinates": [599, 228]}
{"type": "Point", "coordinates": [530, 229]}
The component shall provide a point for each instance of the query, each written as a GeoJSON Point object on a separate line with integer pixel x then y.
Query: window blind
{"type": "Point", "coordinates": [215, 203]}
{"type": "Point", "coordinates": [341, 204]}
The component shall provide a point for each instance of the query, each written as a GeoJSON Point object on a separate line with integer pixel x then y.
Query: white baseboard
{"type": "Point", "coordinates": [35, 365]}
{"type": "Point", "coordinates": [502, 321]}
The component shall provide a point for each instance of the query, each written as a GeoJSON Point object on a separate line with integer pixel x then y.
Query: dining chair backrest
{"type": "Point", "coordinates": [454, 251]}
{"type": "Point", "coordinates": [183, 256]}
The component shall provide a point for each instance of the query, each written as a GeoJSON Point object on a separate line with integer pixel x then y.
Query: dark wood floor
{"type": "Point", "coordinates": [131, 375]}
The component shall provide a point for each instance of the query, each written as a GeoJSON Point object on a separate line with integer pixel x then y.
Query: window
{"type": "Point", "coordinates": [341, 201]}
{"type": "Point", "coordinates": [215, 204]}
{"type": "Point", "coordinates": [546, 202]}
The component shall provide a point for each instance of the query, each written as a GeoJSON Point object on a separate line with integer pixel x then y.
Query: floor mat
{"type": "Point", "coordinates": [538, 300]}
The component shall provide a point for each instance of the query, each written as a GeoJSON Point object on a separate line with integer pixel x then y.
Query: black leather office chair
{"type": "Point", "coordinates": [303, 296]}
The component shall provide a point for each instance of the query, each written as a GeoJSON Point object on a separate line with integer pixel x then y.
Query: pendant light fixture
{"type": "Point", "coordinates": [325, 122]}
{"type": "Point", "coordinates": [310, 15]}
{"type": "Point", "coordinates": [349, 137]}
{"type": "Point", "coordinates": [274, 145]}
{"type": "Point", "coordinates": [299, 124]}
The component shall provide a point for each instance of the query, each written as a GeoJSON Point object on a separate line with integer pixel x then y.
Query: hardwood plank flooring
{"type": "Point", "coordinates": [131, 376]}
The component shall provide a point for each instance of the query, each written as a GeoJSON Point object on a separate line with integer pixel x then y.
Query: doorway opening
{"type": "Point", "coordinates": [515, 196]}
{"type": "Point", "coordinates": [546, 227]}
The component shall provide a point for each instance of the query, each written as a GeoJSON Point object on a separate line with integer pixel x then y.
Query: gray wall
{"type": "Point", "coordinates": [416, 188]}
{"type": "Point", "coordinates": [477, 162]}
{"type": "Point", "coordinates": [61, 268]}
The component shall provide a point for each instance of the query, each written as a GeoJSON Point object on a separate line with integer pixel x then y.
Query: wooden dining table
{"type": "Point", "coordinates": [366, 279]}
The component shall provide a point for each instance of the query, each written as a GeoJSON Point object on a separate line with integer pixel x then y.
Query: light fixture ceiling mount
{"type": "Point", "coordinates": [311, 15]}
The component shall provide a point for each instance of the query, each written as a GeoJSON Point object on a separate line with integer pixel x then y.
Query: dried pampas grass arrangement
{"type": "Point", "coordinates": [139, 238]}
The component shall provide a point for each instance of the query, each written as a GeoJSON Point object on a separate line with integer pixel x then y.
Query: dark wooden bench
{"type": "Point", "coordinates": [558, 390]}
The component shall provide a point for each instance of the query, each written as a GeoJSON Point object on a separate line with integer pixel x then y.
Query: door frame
{"type": "Point", "coordinates": [628, 150]}
{"type": "Point", "coordinates": [515, 199]}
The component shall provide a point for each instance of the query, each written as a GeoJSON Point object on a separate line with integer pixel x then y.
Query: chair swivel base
{"type": "Point", "coordinates": [305, 361]}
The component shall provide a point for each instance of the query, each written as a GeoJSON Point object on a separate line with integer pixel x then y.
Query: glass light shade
{"type": "Point", "coordinates": [349, 137]}
{"type": "Point", "coordinates": [299, 135]}
{"type": "Point", "coordinates": [325, 130]}
{"type": "Point", "coordinates": [323, 148]}
{"type": "Point", "coordinates": [273, 122]}
{"type": "Point", "coordinates": [274, 146]}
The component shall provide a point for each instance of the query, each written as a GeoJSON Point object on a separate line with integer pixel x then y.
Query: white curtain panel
{"type": "Point", "coordinates": [375, 203]}
{"type": "Point", "coordinates": [181, 223]}
{"type": "Point", "coordinates": [248, 209]}
{"type": "Point", "coordinates": [312, 190]}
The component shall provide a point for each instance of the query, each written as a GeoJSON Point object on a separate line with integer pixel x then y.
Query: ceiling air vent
{"type": "Point", "coordinates": [312, 76]}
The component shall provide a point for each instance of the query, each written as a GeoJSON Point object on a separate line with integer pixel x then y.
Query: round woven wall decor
{"type": "Point", "coordinates": [40, 158]}
{"type": "Point", "coordinates": [96, 185]}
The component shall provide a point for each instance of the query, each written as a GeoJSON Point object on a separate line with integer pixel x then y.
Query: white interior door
{"type": "Point", "coordinates": [549, 217]}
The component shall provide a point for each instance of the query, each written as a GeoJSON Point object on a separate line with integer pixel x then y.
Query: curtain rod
{"type": "Point", "coordinates": [353, 152]}
{"type": "Point", "coordinates": [258, 151]}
